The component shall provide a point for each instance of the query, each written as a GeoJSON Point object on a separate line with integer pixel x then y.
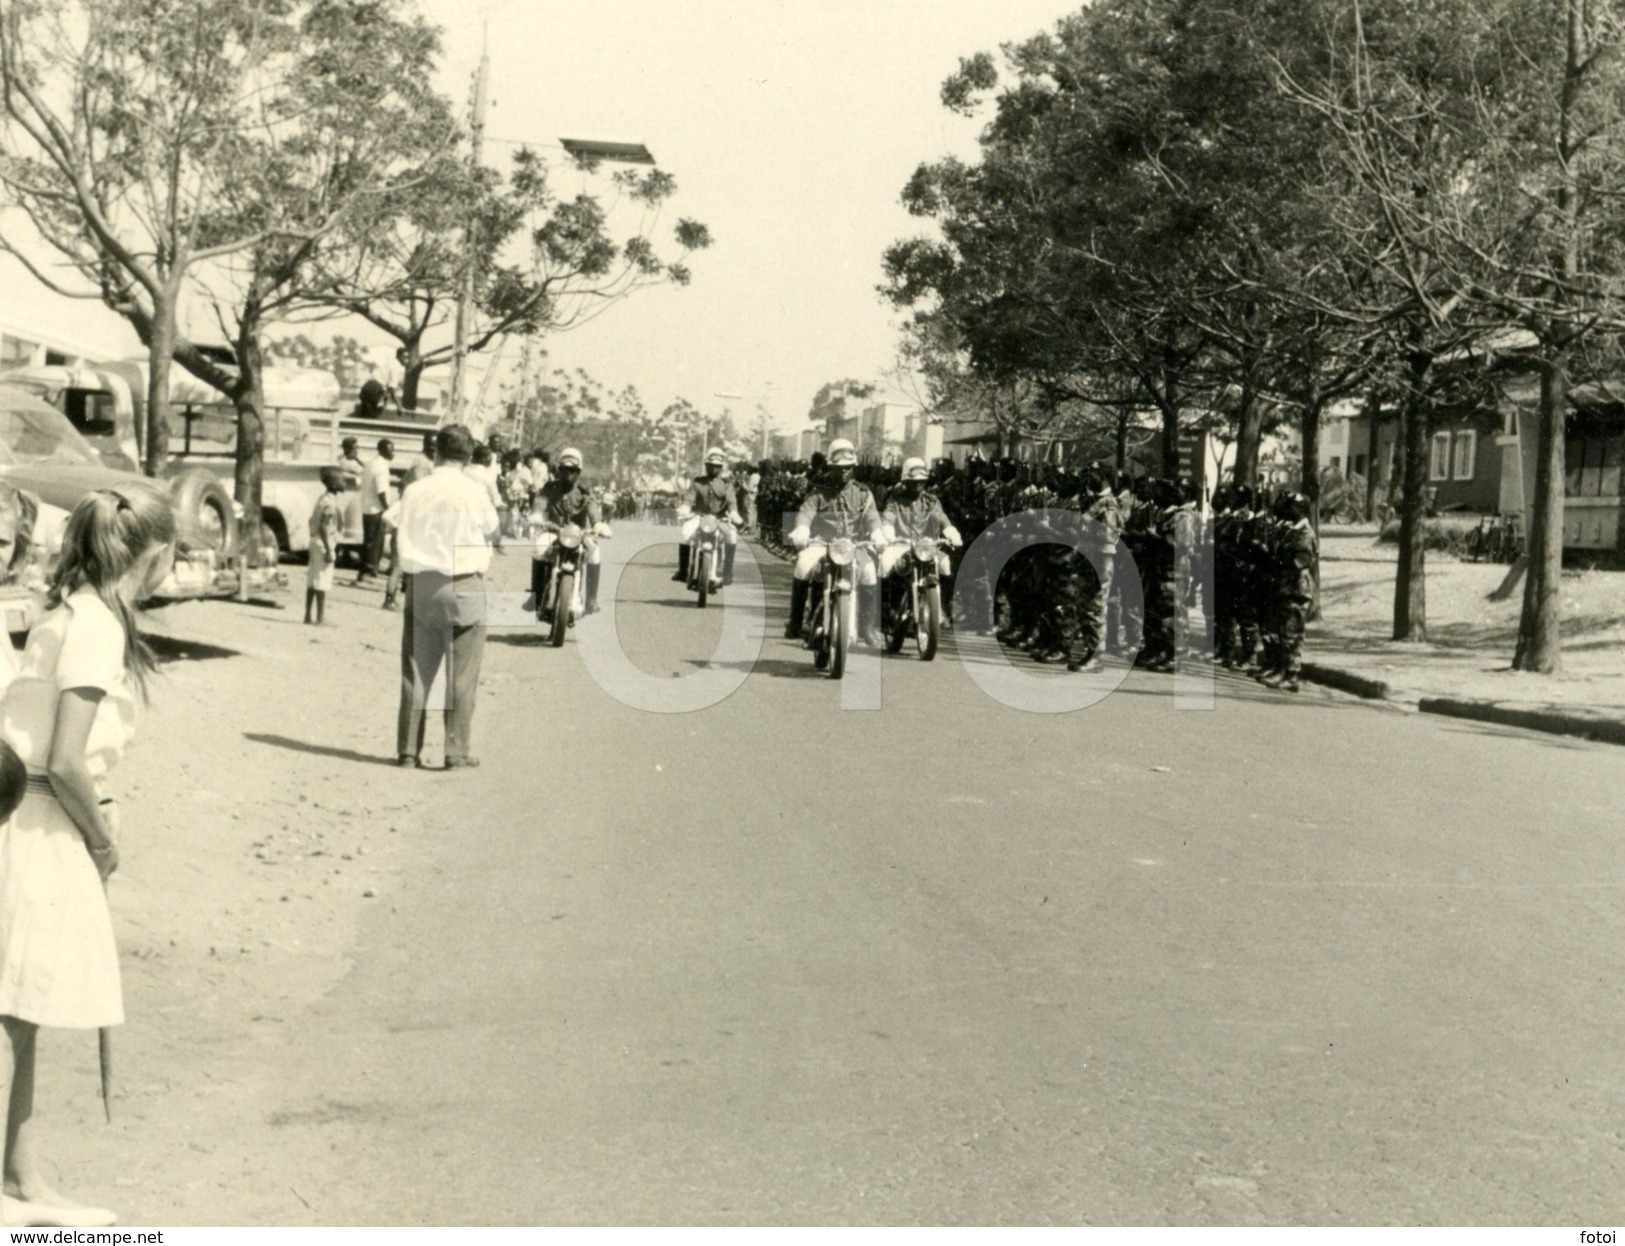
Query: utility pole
{"type": "Point", "coordinates": [465, 298]}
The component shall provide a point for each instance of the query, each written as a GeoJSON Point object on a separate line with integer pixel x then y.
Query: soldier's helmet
{"type": "Point", "coordinates": [914, 469]}
{"type": "Point", "coordinates": [570, 457]}
{"type": "Point", "coordinates": [842, 453]}
{"type": "Point", "coordinates": [716, 456]}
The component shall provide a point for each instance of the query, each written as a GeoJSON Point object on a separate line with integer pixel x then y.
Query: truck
{"type": "Point", "coordinates": [304, 429]}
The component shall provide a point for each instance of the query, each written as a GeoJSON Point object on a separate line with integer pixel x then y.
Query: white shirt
{"type": "Point", "coordinates": [488, 477]}
{"type": "Point", "coordinates": [445, 523]}
{"type": "Point", "coordinates": [373, 482]}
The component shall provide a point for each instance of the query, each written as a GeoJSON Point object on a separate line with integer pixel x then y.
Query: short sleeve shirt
{"type": "Point", "coordinates": [375, 482]}
{"type": "Point", "coordinates": [78, 645]}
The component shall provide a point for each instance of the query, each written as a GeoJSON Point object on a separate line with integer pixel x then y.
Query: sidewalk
{"type": "Point", "coordinates": [1465, 668]}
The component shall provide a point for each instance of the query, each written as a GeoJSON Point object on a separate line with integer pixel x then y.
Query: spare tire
{"type": "Point", "coordinates": [204, 515]}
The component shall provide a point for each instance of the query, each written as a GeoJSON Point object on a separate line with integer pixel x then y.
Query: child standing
{"type": "Point", "coordinates": [325, 525]}
{"type": "Point", "coordinates": [68, 715]}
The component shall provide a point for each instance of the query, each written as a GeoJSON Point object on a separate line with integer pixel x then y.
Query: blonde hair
{"type": "Point", "coordinates": [107, 534]}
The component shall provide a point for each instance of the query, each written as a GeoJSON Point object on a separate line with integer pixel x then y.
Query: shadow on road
{"type": "Point", "coordinates": [320, 750]}
{"type": "Point", "coordinates": [775, 668]}
{"type": "Point", "coordinates": [519, 640]}
{"type": "Point", "coordinates": [173, 649]}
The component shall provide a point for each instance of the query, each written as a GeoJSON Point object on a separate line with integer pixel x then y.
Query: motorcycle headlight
{"type": "Point", "coordinates": [925, 551]}
{"type": "Point", "coordinates": [841, 552]}
{"type": "Point", "coordinates": [708, 524]}
{"type": "Point", "coordinates": [570, 536]}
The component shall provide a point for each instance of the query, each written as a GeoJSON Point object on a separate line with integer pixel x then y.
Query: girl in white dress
{"type": "Point", "coordinates": [68, 713]}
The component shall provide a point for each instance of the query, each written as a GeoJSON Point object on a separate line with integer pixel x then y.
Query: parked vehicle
{"type": "Point", "coordinates": [42, 455]}
{"type": "Point", "coordinates": [106, 403]}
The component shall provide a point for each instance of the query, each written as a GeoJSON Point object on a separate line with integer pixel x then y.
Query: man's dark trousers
{"type": "Point", "coordinates": [444, 622]}
{"type": "Point", "coordinates": [372, 545]}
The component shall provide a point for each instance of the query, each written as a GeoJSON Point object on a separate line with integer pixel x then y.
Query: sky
{"type": "Point", "coordinates": [790, 128]}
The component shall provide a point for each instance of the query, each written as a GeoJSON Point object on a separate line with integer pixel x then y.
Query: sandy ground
{"type": "Point", "coordinates": [1471, 638]}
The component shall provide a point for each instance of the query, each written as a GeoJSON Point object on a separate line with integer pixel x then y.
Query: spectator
{"type": "Point", "coordinates": [444, 527]}
{"type": "Point", "coordinates": [68, 715]}
{"type": "Point", "coordinates": [325, 526]}
{"type": "Point", "coordinates": [375, 499]}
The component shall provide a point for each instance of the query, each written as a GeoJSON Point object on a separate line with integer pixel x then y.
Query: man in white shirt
{"type": "Point", "coordinates": [376, 493]}
{"type": "Point", "coordinates": [444, 525]}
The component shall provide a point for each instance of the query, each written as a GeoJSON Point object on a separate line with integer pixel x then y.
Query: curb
{"type": "Point", "coordinates": [1343, 681]}
{"type": "Point", "coordinates": [1586, 727]}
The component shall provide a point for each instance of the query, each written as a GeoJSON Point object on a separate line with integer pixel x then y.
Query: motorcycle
{"type": "Point", "coordinates": [832, 605]}
{"type": "Point", "coordinates": [919, 612]}
{"type": "Point", "coordinates": [557, 561]}
{"type": "Point", "coordinates": [706, 557]}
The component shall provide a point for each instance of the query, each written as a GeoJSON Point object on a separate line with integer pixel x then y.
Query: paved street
{"type": "Point", "coordinates": [1291, 960]}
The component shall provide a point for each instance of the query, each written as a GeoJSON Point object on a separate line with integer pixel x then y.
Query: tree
{"type": "Point", "coordinates": [542, 263]}
{"type": "Point", "coordinates": [118, 119]}
{"type": "Point", "coordinates": [343, 119]}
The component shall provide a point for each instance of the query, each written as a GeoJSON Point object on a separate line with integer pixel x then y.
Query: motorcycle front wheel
{"type": "Point", "coordinates": [702, 575]}
{"type": "Point", "coordinates": [563, 598]}
{"type": "Point", "coordinates": [841, 641]}
{"type": "Point", "coordinates": [929, 625]}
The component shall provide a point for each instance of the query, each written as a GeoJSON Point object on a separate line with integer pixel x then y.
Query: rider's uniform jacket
{"type": "Point", "coordinates": [829, 511]}
{"type": "Point", "coordinates": [920, 519]}
{"type": "Point", "coordinates": [710, 497]}
{"type": "Point", "coordinates": [561, 504]}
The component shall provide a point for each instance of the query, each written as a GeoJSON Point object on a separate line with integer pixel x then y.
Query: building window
{"type": "Point", "coordinates": [16, 352]}
{"type": "Point", "coordinates": [1466, 451]}
{"type": "Point", "coordinates": [1439, 460]}
{"type": "Point", "coordinates": [1359, 465]}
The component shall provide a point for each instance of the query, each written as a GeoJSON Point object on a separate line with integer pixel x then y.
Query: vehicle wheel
{"type": "Point", "coordinates": [561, 608]}
{"type": "Point", "coordinates": [702, 575]}
{"type": "Point", "coordinates": [897, 633]}
{"type": "Point", "coordinates": [929, 625]}
{"type": "Point", "coordinates": [204, 516]}
{"type": "Point", "coordinates": [842, 639]}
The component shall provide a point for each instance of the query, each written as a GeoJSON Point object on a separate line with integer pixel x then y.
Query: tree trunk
{"type": "Point", "coordinates": [1410, 584]}
{"type": "Point", "coordinates": [160, 358]}
{"type": "Point", "coordinates": [1170, 441]}
{"type": "Point", "coordinates": [1373, 452]}
{"type": "Point", "coordinates": [1311, 484]}
{"type": "Point", "coordinates": [1120, 444]}
{"type": "Point", "coordinates": [1249, 432]}
{"type": "Point", "coordinates": [248, 396]}
{"type": "Point", "coordinates": [1540, 627]}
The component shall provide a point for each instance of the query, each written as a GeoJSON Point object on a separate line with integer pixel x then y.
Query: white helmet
{"type": "Point", "coordinates": [842, 453]}
{"type": "Point", "coordinates": [716, 456]}
{"type": "Point", "coordinates": [914, 469]}
{"type": "Point", "coordinates": [570, 457]}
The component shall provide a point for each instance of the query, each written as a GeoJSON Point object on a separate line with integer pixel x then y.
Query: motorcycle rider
{"type": "Point", "coordinates": [565, 500]}
{"type": "Point", "coordinates": [710, 494]}
{"type": "Point", "coordinates": [913, 513]}
{"type": "Point", "coordinates": [835, 506]}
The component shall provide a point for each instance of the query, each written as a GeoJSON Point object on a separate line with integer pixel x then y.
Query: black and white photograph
{"type": "Point", "coordinates": [854, 614]}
